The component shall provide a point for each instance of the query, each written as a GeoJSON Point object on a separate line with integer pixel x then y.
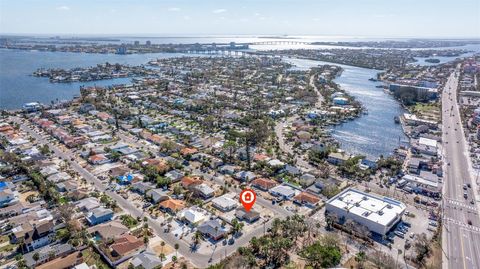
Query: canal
{"type": "Point", "coordinates": [373, 134]}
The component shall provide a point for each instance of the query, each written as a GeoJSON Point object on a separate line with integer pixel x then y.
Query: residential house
{"type": "Point", "coordinates": [248, 216]}
{"type": "Point", "coordinates": [307, 199]}
{"type": "Point", "coordinates": [228, 169]}
{"type": "Point", "coordinates": [98, 159]}
{"type": "Point", "coordinates": [213, 229]}
{"type": "Point", "coordinates": [87, 204]}
{"type": "Point", "coordinates": [224, 203]}
{"type": "Point", "coordinates": [264, 184]}
{"type": "Point", "coordinates": [283, 191]}
{"type": "Point", "coordinates": [99, 215]}
{"type": "Point", "coordinates": [8, 197]}
{"type": "Point", "coordinates": [147, 260]}
{"type": "Point", "coordinates": [108, 230]}
{"type": "Point", "coordinates": [45, 254]}
{"type": "Point", "coordinates": [126, 246]}
{"type": "Point", "coordinates": [203, 190]}
{"type": "Point", "coordinates": [142, 187]}
{"type": "Point", "coordinates": [157, 195]}
{"type": "Point", "coordinates": [64, 261]}
{"type": "Point", "coordinates": [172, 206]}
{"type": "Point", "coordinates": [174, 175]}
{"type": "Point", "coordinates": [245, 176]}
{"type": "Point", "coordinates": [337, 158]}
{"type": "Point", "coordinates": [34, 234]}
{"type": "Point", "coordinates": [193, 215]}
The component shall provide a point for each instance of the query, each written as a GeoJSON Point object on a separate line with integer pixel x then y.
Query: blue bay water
{"type": "Point", "coordinates": [372, 135]}
{"type": "Point", "coordinates": [18, 86]}
{"type": "Point", "coordinates": [375, 133]}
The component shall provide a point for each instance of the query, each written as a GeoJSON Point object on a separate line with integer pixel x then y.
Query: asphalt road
{"type": "Point", "coordinates": [461, 240]}
{"type": "Point", "coordinates": [199, 260]}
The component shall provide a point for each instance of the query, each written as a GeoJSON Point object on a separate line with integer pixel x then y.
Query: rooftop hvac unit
{"type": "Point", "coordinates": [380, 212]}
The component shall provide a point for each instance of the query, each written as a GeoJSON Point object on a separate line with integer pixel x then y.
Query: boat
{"type": "Point", "coordinates": [396, 119]}
{"type": "Point", "coordinates": [379, 86]}
{"type": "Point", "coordinates": [373, 79]}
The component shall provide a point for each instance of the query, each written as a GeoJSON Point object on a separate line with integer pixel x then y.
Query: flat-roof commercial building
{"type": "Point", "coordinates": [378, 213]}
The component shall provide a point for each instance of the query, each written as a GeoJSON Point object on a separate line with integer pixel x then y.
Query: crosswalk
{"type": "Point", "coordinates": [460, 204]}
{"type": "Point", "coordinates": [465, 226]}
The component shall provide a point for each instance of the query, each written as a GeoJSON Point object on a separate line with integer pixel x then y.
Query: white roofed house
{"type": "Point", "coordinates": [377, 213]}
{"type": "Point", "coordinates": [203, 190]}
{"type": "Point", "coordinates": [224, 203]}
{"type": "Point", "coordinates": [193, 215]}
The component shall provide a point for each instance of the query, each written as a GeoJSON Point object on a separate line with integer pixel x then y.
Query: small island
{"type": "Point", "coordinates": [432, 60]}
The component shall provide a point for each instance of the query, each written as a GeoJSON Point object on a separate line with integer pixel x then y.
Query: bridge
{"type": "Point", "coordinates": [280, 42]}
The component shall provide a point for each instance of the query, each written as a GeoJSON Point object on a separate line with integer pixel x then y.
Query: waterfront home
{"type": "Point", "coordinates": [264, 184]}
{"type": "Point", "coordinates": [367, 164]}
{"type": "Point", "coordinates": [99, 215]}
{"type": "Point", "coordinates": [340, 101]}
{"type": "Point", "coordinates": [337, 158]}
{"type": "Point", "coordinates": [213, 230]}
{"type": "Point", "coordinates": [248, 216]}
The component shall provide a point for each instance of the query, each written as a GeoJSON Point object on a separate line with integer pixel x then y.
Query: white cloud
{"type": "Point", "coordinates": [174, 9]}
{"type": "Point", "coordinates": [220, 10]}
{"type": "Point", "coordinates": [63, 8]}
{"type": "Point", "coordinates": [187, 18]}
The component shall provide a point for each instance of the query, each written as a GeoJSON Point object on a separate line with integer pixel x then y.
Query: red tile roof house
{"type": "Point", "coordinates": [306, 199]}
{"type": "Point", "coordinates": [98, 159]}
{"type": "Point", "coordinates": [264, 184]}
{"type": "Point", "coordinates": [122, 249]}
{"type": "Point", "coordinates": [188, 182]}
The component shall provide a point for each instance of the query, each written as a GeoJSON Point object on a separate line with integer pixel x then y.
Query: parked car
{"type": "Point", "coordinates": [399, 234]}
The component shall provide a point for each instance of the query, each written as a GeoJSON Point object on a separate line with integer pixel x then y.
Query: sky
{"type": "Point", "coordinates": [358, 18]}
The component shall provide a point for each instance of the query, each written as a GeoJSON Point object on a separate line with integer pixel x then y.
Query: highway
{"type": "Point", "coordinates": [200, 260]}
{"type": "Point", "coordinates": [461, 223]}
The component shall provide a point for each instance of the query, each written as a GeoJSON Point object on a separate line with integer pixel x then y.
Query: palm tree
{"type": "Point", "coordinates": [196, 238]}
{"type": "Point", "coordinates": [162, 244]}
{"type": "Point", "coordinates": [177, 246]}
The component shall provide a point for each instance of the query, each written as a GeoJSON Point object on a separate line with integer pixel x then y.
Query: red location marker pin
{"type": "Point", "coordinates": [248, 198]}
